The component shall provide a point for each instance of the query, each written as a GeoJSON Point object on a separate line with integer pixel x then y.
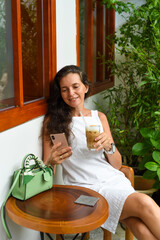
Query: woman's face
{"type": "Point", "coordinates": [73, 90]}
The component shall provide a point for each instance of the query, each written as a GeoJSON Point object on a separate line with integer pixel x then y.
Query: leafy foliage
{"type": "Point", "coordinates": [120, 107]}
{"type": "Point", "coordinates": [119, 6]}
{"type": "Point", "coordinates": [149, 150]}
{"type": "Point", "coordinates": [134, 103]}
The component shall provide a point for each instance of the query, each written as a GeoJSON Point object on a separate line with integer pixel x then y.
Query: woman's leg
{"type": "Point", "coordinates": [142, 210]}
{"type": "Point", "coordinates": [138, 228]}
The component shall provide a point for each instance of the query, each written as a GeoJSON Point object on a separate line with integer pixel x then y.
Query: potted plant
{"type": "Point", "coordinates": [149, 152]}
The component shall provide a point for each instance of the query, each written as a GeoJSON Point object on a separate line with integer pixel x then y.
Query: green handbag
{"type": "Point", "coordinates": [34, 177]}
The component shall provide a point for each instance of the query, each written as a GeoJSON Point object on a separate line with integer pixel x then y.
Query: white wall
{"type": "Point", "coordinates": [14, 145]}
{"type": "Point", "coordinates": [66, 33]}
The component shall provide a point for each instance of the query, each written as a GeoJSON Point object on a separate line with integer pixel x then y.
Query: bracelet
{"type": "Point", "coordinates": [112, 150]}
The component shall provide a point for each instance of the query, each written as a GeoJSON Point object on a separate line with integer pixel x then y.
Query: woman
{"type": "Point", "coordinates": [98, 170]}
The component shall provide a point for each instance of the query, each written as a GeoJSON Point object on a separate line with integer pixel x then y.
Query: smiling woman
{"type": "Point", "coordinates": [57, 101]}
{"type": "Point", "coordinates": [73, 91]}
{"type": "Point", "coordinates": [98, 168]}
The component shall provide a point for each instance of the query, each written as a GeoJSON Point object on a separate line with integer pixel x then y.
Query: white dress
{"type": "Point", "coordinates": [90, 169]}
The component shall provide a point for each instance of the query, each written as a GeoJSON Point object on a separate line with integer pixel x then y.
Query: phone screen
{"type": "Point", "coordinates": [59, 137]}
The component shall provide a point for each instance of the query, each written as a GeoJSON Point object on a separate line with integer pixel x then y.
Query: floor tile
{"type": "Point", "coordinates": [98, 234]}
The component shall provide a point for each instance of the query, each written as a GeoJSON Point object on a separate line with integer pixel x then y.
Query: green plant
{"type": "Point", "coordinates": [149, 151]}
{"type": "Point", "coordinates": [119, 107]}
{"type": "Point", "coordinates": [134, 103]}
{"type": "Point", "coordinates": [119, 6]}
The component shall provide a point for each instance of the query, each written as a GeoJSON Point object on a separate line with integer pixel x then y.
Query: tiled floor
{"type": "Point", "coordinates": [98, 235]}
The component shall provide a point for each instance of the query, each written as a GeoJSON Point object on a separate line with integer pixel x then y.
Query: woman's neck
{"type": "Point", "coordinates": [86, 112]}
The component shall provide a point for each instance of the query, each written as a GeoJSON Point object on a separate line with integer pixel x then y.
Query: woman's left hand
{"type": "Point", "coordinates": [103, 141]}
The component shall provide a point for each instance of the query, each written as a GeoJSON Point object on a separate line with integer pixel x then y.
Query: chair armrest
{"type": "Point", "coordinates": [129, 173]}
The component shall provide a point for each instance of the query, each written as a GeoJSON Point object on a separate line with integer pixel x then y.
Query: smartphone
{"type": "Point", "coordinates": [59, 137]}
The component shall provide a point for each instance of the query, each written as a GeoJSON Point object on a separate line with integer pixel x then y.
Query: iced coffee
{"type": "Point", "coordinates": [92, 131]}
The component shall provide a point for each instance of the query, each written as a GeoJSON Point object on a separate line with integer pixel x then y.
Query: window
{"type": "Point", "coordinates": [95, 23]}
{"type": "Point", "coordinates": [27, 47]}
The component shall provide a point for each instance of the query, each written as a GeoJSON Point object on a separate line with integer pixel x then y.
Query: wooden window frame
{"type": "Point", "coordinates": [22, 112]}
{"type": "Point", "coordinates": [101, 84]}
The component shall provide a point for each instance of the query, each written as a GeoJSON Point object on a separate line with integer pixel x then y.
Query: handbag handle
{"type": "Point", "coordinates": [28, 158]}
{"type": "Point", "coordinates": [27, 168]}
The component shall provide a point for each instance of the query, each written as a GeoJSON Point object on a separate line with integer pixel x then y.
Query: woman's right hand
{"type": "Point", "coordinates": [57, 156]}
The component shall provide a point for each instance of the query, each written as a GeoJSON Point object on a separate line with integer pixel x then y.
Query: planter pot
{"type": "Point", "coordinates": [143, 185]}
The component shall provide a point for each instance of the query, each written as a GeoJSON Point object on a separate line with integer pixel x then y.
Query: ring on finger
{"type": "Point", "coordinates": [61, 157]}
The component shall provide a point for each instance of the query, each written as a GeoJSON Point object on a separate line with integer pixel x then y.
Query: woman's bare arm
{"type": "Point", "coordinates": [104, 141]}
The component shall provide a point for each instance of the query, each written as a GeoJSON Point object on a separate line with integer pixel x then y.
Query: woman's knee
{"type": "Point", "coordinates": [146, 204]}
{"type": "Point", "coordinates": [137, 205]}
{"type": "Point", "coordinates": [144, 200]}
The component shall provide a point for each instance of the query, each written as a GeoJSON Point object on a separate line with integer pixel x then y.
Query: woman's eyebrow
{"type": "Point", "coordinates": [64, 87]}
{"type": "Point", "coordinates": [75, 84]}
{"type": "Point", "coordinates": [71, 85]}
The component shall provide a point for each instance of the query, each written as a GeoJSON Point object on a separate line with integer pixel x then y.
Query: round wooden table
{"type": "Point", "coordinates": [54, 211]}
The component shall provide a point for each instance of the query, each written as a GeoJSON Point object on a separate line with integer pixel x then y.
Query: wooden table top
{"type": "Point", "coordinates": [54, 211]}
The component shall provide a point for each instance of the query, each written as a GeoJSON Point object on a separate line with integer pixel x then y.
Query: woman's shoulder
{"type": "Point", "coordinates": [104, 121]}
{"type": "Point", "coordinates": [102, 116]}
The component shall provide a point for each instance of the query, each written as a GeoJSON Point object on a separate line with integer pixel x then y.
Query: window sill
{"type": "Point", "coordinates": [9, 119]}
{"type": "Point", "coordinates": [101, 86]}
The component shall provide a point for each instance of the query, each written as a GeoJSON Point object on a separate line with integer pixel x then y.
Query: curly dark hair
{"type": "Point", "coordinates": [59, 114]}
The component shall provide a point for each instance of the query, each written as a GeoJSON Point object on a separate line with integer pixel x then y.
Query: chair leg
{"type": "Point", "coordinates": [86, 236]}
{"type": "Point", "coordinates": [128, 235]}
{"type": "Point", "coordinates": [42, 235]}
{"type": "Point", "coordinates": [107, 235]}
{"type": "Point", "coordinates": [58, 237]}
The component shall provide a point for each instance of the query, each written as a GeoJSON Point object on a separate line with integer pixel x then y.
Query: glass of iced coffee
{"type": "Point", "coordinates": [92, 131]}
